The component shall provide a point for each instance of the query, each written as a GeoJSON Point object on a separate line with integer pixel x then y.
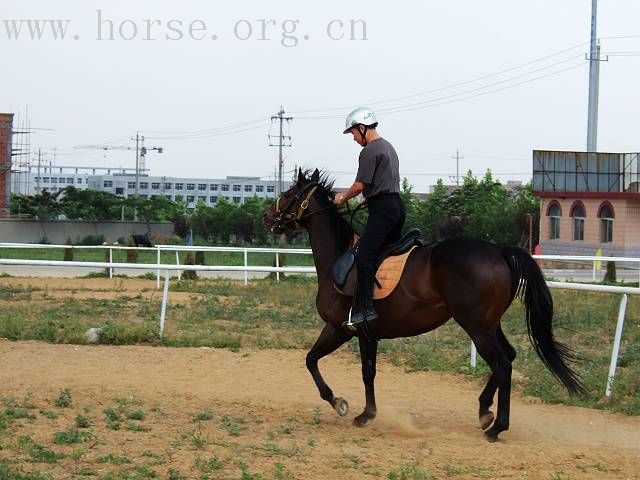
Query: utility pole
{"type": "Point", "coordinates": [594, 80]}
{"type": "Point", "coordinates": [39, 163]}
{"type": "Point", "coordinates": [282, 139]}
{"type": "Point", "coordinates": [137, 161]}
{"type": "Point", "coordinates": [458, 157]}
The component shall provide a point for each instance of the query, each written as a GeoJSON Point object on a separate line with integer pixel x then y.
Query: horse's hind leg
{"type": "Point", "coordinates": [486, 397]}
{"type": "Point", "coordinates": [489, 347]}
{"type": "Point", "coordinates": [368, 352]}
{"type": "Point", "coordinates": [329, 341]}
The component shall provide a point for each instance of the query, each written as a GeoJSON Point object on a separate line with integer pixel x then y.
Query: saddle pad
{"type": "Point", "coordinates": [388, 275]}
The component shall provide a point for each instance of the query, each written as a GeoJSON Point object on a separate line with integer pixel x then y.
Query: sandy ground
{"type": "Point", "coordinates": [427, 420]}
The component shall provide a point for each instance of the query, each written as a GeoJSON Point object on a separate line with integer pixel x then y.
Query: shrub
{"type": "Point", "coordinates": [610, 276]}
{"type": "Point", "coordinates": [92, 240]}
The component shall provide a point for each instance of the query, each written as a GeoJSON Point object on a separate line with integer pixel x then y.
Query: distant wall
{"type": "Point", "coordinates": [57, 231]}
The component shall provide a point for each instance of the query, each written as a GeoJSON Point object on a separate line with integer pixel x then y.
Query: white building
{"type": "Point", "coordinates": [122, 182]}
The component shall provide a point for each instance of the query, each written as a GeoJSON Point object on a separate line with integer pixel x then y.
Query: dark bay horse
{"type": "Point", "coordinates": [469, 280]}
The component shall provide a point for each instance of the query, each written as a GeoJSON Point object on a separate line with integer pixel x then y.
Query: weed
{"type": "Point", "coordinates": [175, 475]}
{"type": "Point", "coordinates": [50, 414]}
{"type": "Point", "coordinates": [136, 415]}
{"type": "Point", "coordinates": [71, 436]}
{"type": "Point", "coordinates": [246, 475]}
{"type": "Point", "coordinates": [202, 416]}
{"type": "Point", "coordinates": [82, 422]}
{"type": "Point", "coordinates": [136, 427]}
{"type": "Point", "coordinates": [64, 399]}
{"type": "Point", "coordinates": [316, 419]}
{"type": "Point", "coordinates": [208, 466]}
{"type": "Point", "coordinates": [233, 425]}
{"type": "Point", "coordinates": [410, 473]}
{"type": "Point", "coordinates": [113, 459]}
{"type": "Point", "coordinates": [37, 452]}
{"type": "Point", "coordinates": [281, 472]}
{"type": "Point", "coordinates": [18, 413]}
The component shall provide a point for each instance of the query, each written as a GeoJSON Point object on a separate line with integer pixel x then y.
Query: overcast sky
{"type": "Point", "coordinates": [92, 91]}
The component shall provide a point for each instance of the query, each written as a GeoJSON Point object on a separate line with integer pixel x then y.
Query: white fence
{"type": "Point", "coordinates": [246, 268]}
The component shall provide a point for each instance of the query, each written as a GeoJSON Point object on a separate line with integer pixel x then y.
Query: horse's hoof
{"type": "Point", "coordinates": [491, 438]}
{"type": "Point", "coordinates": [363, 419]}
{"type": "Point", "coordinates": [341, 406]}
{"type": "Point", "coordinates": [486, 420]}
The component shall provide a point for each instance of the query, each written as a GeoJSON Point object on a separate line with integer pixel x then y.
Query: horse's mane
{"type": "Point", "coordinates": [325, 185]}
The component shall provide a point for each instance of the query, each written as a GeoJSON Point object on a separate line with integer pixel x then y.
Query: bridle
{"type": "Point", "coordinates": [291, 219]}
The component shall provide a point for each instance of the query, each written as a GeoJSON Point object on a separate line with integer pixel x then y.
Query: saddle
{"type": "Point", "coordinates": [389, 266]}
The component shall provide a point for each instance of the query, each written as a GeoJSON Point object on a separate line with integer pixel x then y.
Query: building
{"type": "Point", "coordinates": [589, 201]}
{"type": "Point", "coordinates": [122, 182]}
{"type": "Point", "coordinates": [6, 135]}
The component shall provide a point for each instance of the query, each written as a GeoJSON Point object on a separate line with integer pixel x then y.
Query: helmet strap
{"type": "Point", "coordinates": [363, 134]}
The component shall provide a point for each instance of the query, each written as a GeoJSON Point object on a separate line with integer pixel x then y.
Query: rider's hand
{"type": "Point", "coordinates": [339, 199]}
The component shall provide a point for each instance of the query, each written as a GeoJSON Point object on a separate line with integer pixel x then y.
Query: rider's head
{"type": "Point", "coordinates": [361, 123]}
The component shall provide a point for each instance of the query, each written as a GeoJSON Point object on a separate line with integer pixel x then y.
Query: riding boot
{"type": "Point", "coordinates": [363, 300]}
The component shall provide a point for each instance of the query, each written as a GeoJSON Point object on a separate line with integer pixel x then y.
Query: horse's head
{"type": "Point", "coordinates": [290, 209]}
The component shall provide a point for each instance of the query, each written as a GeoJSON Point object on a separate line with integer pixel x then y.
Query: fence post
{"type": "Point", "coordinates": [158, 271]}
{"type": "Point", "coordinates": [246, 274]}
{"type": "Point", "coordinates": [278, 266]}
{"type": "Point", "coordinates": [165, 295]}
{"type": "Point", "coordinates": [110, 261]}
{"type": "Point", "coordinates": [178, 263]}
{"type": "Point", "coordinates": [616, 345]}
{"type": "Point", "coordinates": [594, 271]}
{"type": "Point", "coordinates": [474, 355]}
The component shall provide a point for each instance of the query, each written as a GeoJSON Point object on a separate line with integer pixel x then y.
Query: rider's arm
{"type": "Point", "coordinates": [354, 190]}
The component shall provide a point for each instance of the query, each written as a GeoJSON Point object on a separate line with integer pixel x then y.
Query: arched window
{"type": "Point", "coordinates": [578, 214]}
{"type": "Point", "coordinates": [606, 215]}
{"type": "Point", "coordinates": [554, 213]}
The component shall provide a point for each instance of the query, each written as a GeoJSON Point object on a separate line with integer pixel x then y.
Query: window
{"type": "Point", "coordinates": [155, 186]}
{"type": "Point", "coordinates": [259, 188]}
{"type": "Point", "coordinates": [578, 214]}
{"type": "Point", "coordinates": [62, 180]}
{"type": "Point", "coordinates": [179, 186]}
{"type": "Point", "coordinates": [271, 188]}
{"type": "Point", "coordinates": [144, 185]}
{"type": "Point", "coordinates": [54, 180]}
{"type": "Point", "coordinates": [70, 180]}
{"type": "Point", "coordinates": [191, 186]}
{"type": "Point", "coordinates": [108, 184]}
{"type": "Point", "coordinates": [248, 188]}
{"type": "Point", "coordinates": [144, 196]}
{"type": "Point", "coordinates": [202, 198]}
{"type": "Point", "coordinates": [213, 199]}
{"type": "Point", "coordinates": [213, 187]}
{"type": "Point", "coordinates": [167, 186]}
{"type": "Point", "coordinates": [606, 223]}
{"type": "Point", "coordinates": [37, 179]}
{"type": "Point", "coordinates": [237, 188]}
{"type": "Point", "coordinates": [119, 191]}
{"type": "Point", "coordinates": [225, 188]}
{"type": "Point", "coordinates": [45, 179]}
{"type": "Point", "coordinates": [554, 213]}
{"type": "Point", "coordinates": [190, 198]}
{"type": "Point", "coordinates": [202, 187]}
{"type": "Point", "coordinates": [131, 184]}
{"type": "Point", "coordinates": [79, 180]}
{"type": "Point", "coordinates": [237, 199]}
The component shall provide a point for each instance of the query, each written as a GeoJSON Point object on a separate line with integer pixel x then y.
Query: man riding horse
{"type": "Point", "coordinates": [378, 179]}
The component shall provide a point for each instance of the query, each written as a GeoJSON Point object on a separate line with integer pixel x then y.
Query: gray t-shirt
{"type": "Point", "coordinates": [379, 168]}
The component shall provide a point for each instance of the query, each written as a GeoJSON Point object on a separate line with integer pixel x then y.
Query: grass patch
{"type": "Point", "coordinates": [232, 425]}
{"type": "Point", "coordinates": [71, 436]}
{"type": "Point", "coordinates": [64, 399]}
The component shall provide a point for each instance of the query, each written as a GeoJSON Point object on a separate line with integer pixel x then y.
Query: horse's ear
{"type": "Point", "coordinates": [301, 178]}
{"type": "Point", "coordinates": [315, 177]}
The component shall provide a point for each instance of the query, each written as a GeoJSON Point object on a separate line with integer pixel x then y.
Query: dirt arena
{"type": "Point", "coordinates": [427, 425]}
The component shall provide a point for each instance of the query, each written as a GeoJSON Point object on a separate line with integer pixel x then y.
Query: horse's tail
{"type": "Point", "coordinates": [529, 285]}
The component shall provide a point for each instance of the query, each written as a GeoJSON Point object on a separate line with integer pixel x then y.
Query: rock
{"type": "Point", "coordinates": [93, 335]}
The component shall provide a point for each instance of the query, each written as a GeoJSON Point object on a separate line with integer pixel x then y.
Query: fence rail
{"type": "Point", "coordinates": [167, 268]}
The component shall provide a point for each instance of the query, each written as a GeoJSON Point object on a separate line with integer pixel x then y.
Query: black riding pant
{"type": "Point", "coordinates": [386, 219]}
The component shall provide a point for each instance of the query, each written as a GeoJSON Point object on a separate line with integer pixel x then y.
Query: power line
{"type": "Point", "coordinates": [447, 87]}
{"type": "Point", "coordinates": [207, 131]}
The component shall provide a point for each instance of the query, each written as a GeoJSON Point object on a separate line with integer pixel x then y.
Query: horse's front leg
{"type": "Point", "coordinates": [368, 352]}
{"type": "Point", "coordinates": [329, 341]}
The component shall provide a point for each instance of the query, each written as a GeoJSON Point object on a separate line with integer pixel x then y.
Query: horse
{"type": "Point", "coordinates": [467, 279]}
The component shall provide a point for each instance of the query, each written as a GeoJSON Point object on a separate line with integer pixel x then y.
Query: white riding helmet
{"type": "Point", "coordinates": [360, 116]}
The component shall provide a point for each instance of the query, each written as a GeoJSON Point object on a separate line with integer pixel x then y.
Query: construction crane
{"type": "Point", "coordinates": [140, 149]}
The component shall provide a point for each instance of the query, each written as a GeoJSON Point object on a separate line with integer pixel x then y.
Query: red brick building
{"type": "Point", "coordinates": [6, 134]}
{"type": "Point", "coordinates": [589, 201]}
